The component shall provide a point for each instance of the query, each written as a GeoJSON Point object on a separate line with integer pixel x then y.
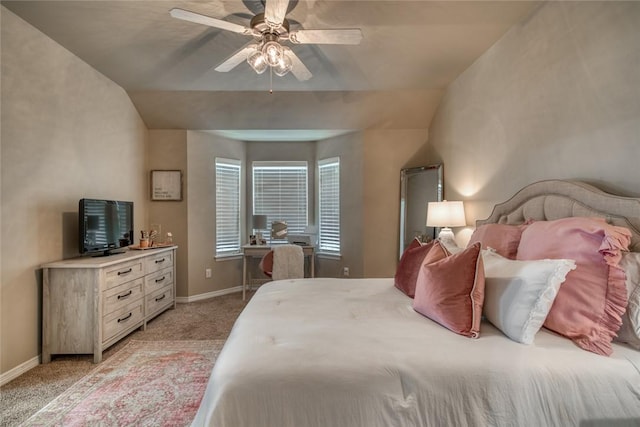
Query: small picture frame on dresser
{"type": "Point", "coordinates": [166, 185]}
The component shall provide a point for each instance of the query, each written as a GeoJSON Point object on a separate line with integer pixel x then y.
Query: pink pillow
{"type": "Point", "coordinates": [589, 305]}
{"type": "Point", "coordinates": [451, 291]}
{"type": "Point", "coordinates": [409, 265]}
{"type": "Point", "coordinates": [415, 243]}
{"type": "Point", "coordinates": [501, 237]}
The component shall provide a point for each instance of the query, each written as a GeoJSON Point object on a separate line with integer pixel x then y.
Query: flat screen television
{"type": "Point", "coordinates": [106, 226]}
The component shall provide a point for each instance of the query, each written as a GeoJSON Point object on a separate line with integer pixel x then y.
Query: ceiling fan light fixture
{"type": "Point", "coordinates": [273, 52]}
{"type": "Point", "coordinates": [257, 61]}
{"type": "Point", "coordinates": [283, 67]}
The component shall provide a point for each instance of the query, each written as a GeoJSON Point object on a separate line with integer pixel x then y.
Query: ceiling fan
{"type": "Point", "coordinates": [269, 30]}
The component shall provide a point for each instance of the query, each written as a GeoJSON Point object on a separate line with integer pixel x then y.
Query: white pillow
{"type": "Point", "coordinates": [450, 245]}
{"type": "Point", "coordinates": [518, 294]}
{"type": "Point", "coordinates": [630, 330]}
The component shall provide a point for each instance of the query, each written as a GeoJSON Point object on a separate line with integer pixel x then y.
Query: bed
{"type": "Point", "coordinates": [334, 352]}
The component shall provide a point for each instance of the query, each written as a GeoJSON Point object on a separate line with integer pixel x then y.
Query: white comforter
{"type": "Point", "coordinates": [327, 352]}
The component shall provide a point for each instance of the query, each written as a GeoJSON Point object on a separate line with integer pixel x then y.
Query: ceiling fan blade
{"type": "Point", "coordinates": [209, 21]}
{"type": "Point", "coordinates": [344, 36]}
{"type": "Point", "coordinates": [275, 11]}
{"type": "Point", "coordinates": [298, 69]}
{"type": "Point", "coordinates": [235, 59]}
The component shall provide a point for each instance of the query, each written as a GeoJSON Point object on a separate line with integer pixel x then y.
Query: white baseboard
{"type": "Point", "coordinates": [193, 298]}
{"type": "Point", "coordinates": [19, 370]}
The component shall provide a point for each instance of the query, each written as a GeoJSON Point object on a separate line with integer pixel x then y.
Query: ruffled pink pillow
{"type": "Point", "coordinates": [589, 305]}
{"type": "Point", "coordinates": [451, 291]}
{"type": "Point", "coordinates": [409, 265]}
{"type": "Point", "coordinates": [501, 237]}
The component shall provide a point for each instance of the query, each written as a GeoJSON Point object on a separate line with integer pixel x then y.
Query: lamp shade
{"type": "Point", "coordinates": [259, 222]}
{"type": "Point", "coordinates": [445, 214]}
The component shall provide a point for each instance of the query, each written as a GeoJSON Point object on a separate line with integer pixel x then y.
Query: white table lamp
{"type": "Point", "coordinates": [445, 215]}
{"type": "Point", "coordinates": [259, 224]}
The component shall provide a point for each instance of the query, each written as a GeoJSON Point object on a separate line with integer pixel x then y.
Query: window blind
{"type": "Point", "coordinates": [329, 206]}
{"type": "Point", "coordinates": [227, 206]}
{"type": "Point", "coordinates": [280, 193]}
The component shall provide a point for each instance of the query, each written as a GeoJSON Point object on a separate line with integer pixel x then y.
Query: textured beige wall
{"type": "Point", "coordinates": [68, 132]}
{"type": "Point", "coordinates": [168, 151]}
{"type": "Point", "coordinates": [557, 97]}
{"type": "Point", "coordinates": [202, 150]}
{"type": "Point", "coordinates": [385, 152]}
{"type": "Point", "coordinates": [349, 149]}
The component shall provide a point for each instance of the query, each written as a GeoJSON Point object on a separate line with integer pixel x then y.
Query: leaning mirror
{"type": "Point", "coordinates": [418, 186]}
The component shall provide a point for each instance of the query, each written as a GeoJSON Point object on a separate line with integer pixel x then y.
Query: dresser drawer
{"type": "Point", "coordinates": [125, 318]}
{"type": "Point", "coordinates": [160, 279]}
{"type": "Point", "coordinates": [159, 299]}
{"type": "Point", "coordinates": [159, 261]}
{"type": "Point", "coordinates": [123, 273]}
{"type": "Point", "coordinates": [122, 295]}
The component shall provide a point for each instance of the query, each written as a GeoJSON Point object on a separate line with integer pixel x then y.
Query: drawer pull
{"type": "Point", "coordinates": [161, 298]}
{"type": "Point", "coordinates": [120, 273]}
{"type": "Point", "coordinates": [158, 261]}
{"type": "Point", "coordinates": [125, 317]}
{"type": "Point", "coordinates": [125, 295]}
{"type": "Point", "coordinates": [160, 279]}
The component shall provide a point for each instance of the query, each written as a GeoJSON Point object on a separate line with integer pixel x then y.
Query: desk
{"type": "Point", "coordinates": [258, 251]}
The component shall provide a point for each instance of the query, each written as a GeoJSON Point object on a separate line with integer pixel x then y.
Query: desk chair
{"type": "Point", "coordinates": [283, 262]}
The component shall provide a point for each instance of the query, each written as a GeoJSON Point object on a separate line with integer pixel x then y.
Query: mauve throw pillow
{"type": "Point", "coordinates": [503, 238]}
{"type": "Point", "coordinates": [409, 265]}
{"type": "Point", "coordinates": [590, 303]}
{"type": "Point", "coordinates": [451, 291]}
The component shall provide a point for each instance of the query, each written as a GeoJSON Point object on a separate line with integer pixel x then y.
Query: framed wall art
{"type": "Point", "coordinates": [166, 185]}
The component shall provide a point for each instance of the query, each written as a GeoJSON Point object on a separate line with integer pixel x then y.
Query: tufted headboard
{"type": "Point", "coordinates": [554, 199]}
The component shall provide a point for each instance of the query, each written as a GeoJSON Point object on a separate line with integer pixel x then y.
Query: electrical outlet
{"type": "Point", "coordinates": [207, 273]}
{"type": "Point", "coordinates": [345, 271]}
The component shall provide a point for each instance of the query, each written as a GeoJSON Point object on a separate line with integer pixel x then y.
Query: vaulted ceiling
{"type": "Point", "coordinates": [395, 78]}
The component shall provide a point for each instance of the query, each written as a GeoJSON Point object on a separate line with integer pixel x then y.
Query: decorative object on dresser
{"type": "Point", "coordinates": [88, 304]}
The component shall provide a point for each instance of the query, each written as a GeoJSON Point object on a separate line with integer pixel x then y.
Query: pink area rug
{"type": "Point", "coordinates": [146, 383]}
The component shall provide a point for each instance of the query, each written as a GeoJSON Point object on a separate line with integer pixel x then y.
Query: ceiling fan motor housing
{"type": "Point", "coordinates": [259, 24]}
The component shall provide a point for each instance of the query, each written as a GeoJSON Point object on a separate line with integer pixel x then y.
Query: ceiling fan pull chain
{"type": "Point", "coordinates": [271, 80]}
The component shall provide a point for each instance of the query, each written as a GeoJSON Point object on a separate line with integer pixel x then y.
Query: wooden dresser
{"type": "Point", "coordinates": [88, 304]}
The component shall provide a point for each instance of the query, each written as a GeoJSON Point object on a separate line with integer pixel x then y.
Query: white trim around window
{"type": "Point", "coordinates": [228, 195]}
{"type": "Point", "coordinates": [329, 206]}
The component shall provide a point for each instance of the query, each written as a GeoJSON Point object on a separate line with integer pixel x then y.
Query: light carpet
{"type": "Point", "coordinates": [146, 383]}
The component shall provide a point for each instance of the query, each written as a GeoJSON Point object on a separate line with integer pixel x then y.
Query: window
{"type": "Point", "coordinates": [280, 193]}
{"type": "Point", "coordinates": [329, 206]}
{"type": "Point", "coordinates": [227, 206]}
